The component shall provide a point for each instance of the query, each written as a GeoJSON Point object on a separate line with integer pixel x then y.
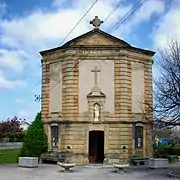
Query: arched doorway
{"type": "Point", "coordinates": [96, 146]}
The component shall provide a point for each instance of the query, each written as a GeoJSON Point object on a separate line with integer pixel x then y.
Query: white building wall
{"type": "Point", "coordinates": [105, 82]}
{"type": "Point", "coordinates": [137, 87]}
{"type": "Point", "coordinates": [55, 87]}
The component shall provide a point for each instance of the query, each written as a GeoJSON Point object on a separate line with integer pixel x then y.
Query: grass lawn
{"type": "Point", "coordinates": [9, 156]}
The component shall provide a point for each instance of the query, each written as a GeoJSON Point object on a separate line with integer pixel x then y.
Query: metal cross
{"type": "Point", "coordinates": [95, 70]}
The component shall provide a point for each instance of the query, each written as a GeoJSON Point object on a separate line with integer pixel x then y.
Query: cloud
{"type": "Point", "coordinates": [21, 38]}
{"type": "Point", "coordinates": [4, 83]}
{"type": "Point", "coordinates": [41, 30]}
{"type": "Point", "coordinates": [45, 28]}
{"type": "Point", "coordinates": [23, 114]}
{"type": "Point", "coordinates": [13, 64]}
{"type": "Point", "coordinates": [150, 7]}
{"type": "Point", "coordinates": [59, 3]}
{"type": "Point", "coordinates": [12, 59]}
{"type": "Point", "coordinates": [10, 84]}
{"type": "Point", "coordinates": [29, 115]}
{"type": "Point", "coordinates": [167, 27]}
{"type": "Point", "coordinates": [143, 14]}
{"type": "Point", "coordinates": [20, 101]}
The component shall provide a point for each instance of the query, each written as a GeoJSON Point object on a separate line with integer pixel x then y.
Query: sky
{"type": "Point", "coordinates": [28, 27]}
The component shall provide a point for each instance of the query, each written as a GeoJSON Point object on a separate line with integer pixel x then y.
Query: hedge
{"type": "Point", "coordinates": [17, 137]}
{"type": "Point", "coordinates": [14, 136]}
{"type": "Point", "coordinates": [164, 151]}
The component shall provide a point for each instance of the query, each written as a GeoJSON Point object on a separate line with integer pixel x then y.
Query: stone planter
{"type": "Point", "coordinates": [158, 163]}
{"type": "Point", "coordinates": [112, 161]}
{"type": "Point", "coordinates": [121, 167]}
{"type": "Point", "coordinates": [29, 162]}
{"type": "Point", "coordinates": [66, 166]}
{"type": "Point", "coordinates": [179, 158]}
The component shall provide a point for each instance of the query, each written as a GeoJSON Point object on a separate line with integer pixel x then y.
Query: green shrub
{"type": "Point", "coordinates": [35, 141]}
{"type": "Point", "coordinates": [164, 151]}
{"type": "Point", "coordinates": [174, 150]}
{"type": "Point", "coordinates": [161, 152]}
{"type": "Point", "coordinates": [16, 137]}
{"type": "Point", "coordinates": [172, 158]}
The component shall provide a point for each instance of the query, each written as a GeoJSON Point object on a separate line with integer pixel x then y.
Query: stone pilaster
{"type": "Point", "coordinates": [70, 97]}
{"type": "Point", "coordinates": [148, 141]}
{"type": "Point", "coordinates": [148, 103]}
{"type": "Point", "coordinates": [129, 108]}
{"type": "Point", "coordinates": [148, 89]}
{"type": "Point", "coordinates": [68, 89]}
{"type": "Point", "coordinates": [117, 88]}
{"type": "Point", "coordinates": [123, 89]}
{"type": "Point", "coordinates": [123, 101]}
{"type": "Point", "coordinates": [45, 97]}
{"type": "Point", "coordinates": [126, 104]}
{"type": "Point", "coordinates": [76, 89]}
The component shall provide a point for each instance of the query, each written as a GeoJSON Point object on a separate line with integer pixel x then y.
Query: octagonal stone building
{"type": "Point", "coordinates": [94, 93]}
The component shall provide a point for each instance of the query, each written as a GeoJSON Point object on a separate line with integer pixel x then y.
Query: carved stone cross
{"type": "Point", "coordinates": [96, 22]}
{"type": "Point", "coordinates": [95, 70]}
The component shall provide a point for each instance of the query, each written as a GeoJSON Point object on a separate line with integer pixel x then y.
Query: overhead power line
{"type": "Point", "coordinates": [128, 15]}
{"type": "Point", "coordinates": [114, 9]}
{"type": "Point", "coordinates": [79, 22]}
{"type": "Point", "coordinates": [37, 97]}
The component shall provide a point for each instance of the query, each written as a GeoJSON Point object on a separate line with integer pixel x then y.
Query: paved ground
{"type": "Point", "coordinates": [90, 172]}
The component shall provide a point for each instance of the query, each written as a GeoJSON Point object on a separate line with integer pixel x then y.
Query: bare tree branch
{"type": "Point", "coordinates": [167, 87]}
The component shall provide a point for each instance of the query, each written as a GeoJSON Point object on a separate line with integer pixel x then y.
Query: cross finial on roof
{"type": "Point", "coordinates": [96, 22]}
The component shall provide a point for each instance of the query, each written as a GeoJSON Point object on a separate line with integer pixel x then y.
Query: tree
{"type": "Point", "coordinates": [35, 142]}
{"type": "Point", "coordinates": [163, 133]}
{"type": "Point", "coordinates": [167, 87]}
{"type": "Point", "coordinates": [10, 126]}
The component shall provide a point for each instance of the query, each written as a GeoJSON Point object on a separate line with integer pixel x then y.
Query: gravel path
{"type": "Point", "coordinates": [90, 172]}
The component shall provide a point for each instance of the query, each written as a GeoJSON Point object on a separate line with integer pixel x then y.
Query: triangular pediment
{"type": "Point", "coordinates": [96, 37]}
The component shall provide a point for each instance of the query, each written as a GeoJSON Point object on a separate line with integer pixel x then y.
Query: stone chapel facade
{"type": "Point", "coordinates": [94, 91]}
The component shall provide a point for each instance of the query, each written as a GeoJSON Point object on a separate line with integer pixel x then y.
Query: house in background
{"type": "Point", "coordinates": [24, 124]}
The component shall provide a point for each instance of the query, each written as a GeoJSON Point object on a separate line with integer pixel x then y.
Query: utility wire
{"type": "Point", "coordinates": [37, 97]}
{"type": "Point", "coordinates": [128, 15]}
{"type": "Point", "coordinates": [75, 27]}
{"type": "Point", "coordinates": [78, 22]}
{"type": "Point", "coordinates": [114, 9]}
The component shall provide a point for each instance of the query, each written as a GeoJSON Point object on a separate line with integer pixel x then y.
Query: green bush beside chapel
{"type": "Point", "coordinates": [35, 141]}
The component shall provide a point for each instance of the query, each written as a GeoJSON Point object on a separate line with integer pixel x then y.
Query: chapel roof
{"type": "Point", "coordinates": [118, 43]}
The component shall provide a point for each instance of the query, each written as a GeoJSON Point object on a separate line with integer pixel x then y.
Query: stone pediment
{"type": "Point", "coordinates": [96, 37]}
